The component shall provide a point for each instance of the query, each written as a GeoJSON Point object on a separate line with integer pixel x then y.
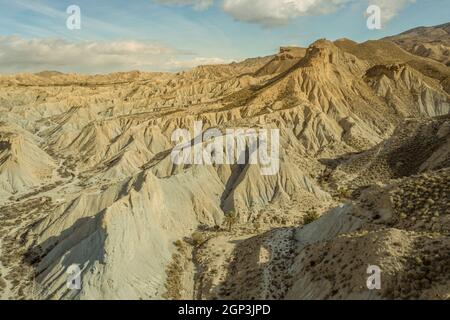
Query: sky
{"type": "Point", "coordinates": [174, 35]}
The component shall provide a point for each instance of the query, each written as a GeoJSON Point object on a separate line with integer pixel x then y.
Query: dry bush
{"type": "Point", "coordinates": [2, 284]}
{"type": "Point", "coordinates": [310, 216]}
{"type": "Point", "coordinates": [198, 238]}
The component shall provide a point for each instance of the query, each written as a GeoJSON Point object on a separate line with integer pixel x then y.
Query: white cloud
{"type": "Point", "coordinates": [31, 55]}
{"type": "Point", "coordinates": [48, 11]}
{"type": "Point", "coordinates": [271, 13]}
{"type": "Point", "coordinates": [390, 8]}
{"type": "Point", "coordinates": [278, 12]}
{"type": "Point", "coordinates": [197, 4]}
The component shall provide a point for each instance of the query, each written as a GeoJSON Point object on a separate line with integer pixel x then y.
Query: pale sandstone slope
{"type": "Point", "coordinates": [402, 226]}
{"type": "Point", "coordinates": [116, 203]}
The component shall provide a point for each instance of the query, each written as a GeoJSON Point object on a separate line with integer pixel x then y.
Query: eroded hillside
{"type": "Point", "coordinates": [398, 221]}
{"type": "Point", "coordinates": [430, 42]}
{"type": "Point", "coordinates": [86, 177]}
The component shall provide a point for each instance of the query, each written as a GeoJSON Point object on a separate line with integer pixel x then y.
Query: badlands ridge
{"type": "Point", "coordinates": [86, 178]}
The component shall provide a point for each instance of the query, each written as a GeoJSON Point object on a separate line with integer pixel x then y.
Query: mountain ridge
{"type": "Point", "coordinates": [142, 227]}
